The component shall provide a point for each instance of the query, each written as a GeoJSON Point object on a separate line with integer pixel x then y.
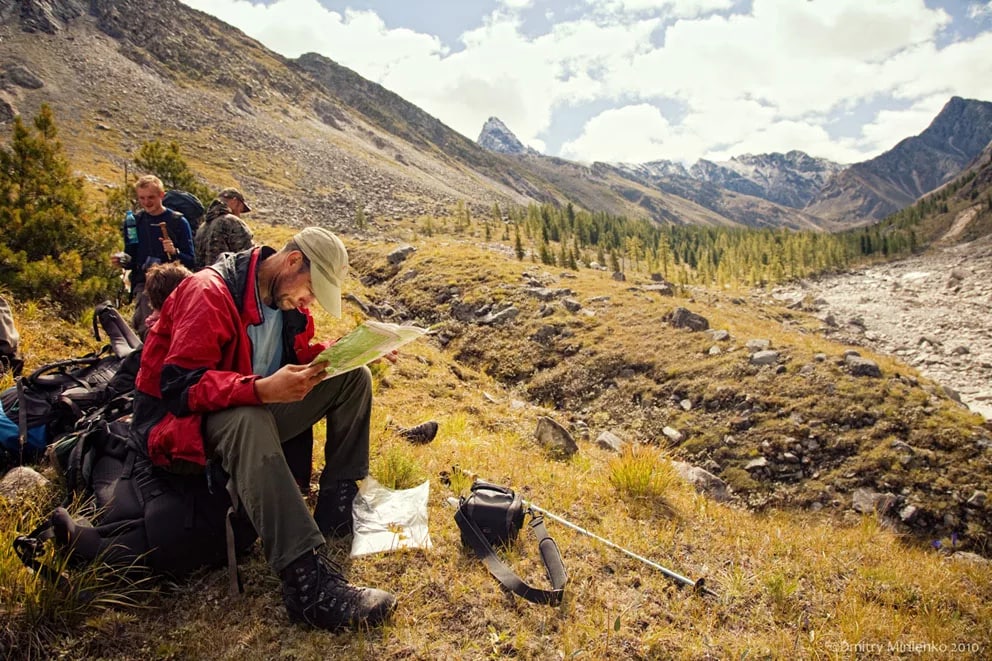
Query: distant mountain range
{"type": "Point", "coordinates": [829, 194]}
{"type": "Point", "coordinates": [313, 141]}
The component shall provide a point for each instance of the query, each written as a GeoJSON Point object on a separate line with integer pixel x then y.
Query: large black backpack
{"type": "Point", "coordinates": [48, 402]}
{"type": "Point", "coordinates": [129, 514]}
{"type": "Point", "coordinates": [187, 204]}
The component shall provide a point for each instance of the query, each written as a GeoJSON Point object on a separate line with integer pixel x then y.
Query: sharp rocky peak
{"type": "Point", "coordinates": [495, 136]}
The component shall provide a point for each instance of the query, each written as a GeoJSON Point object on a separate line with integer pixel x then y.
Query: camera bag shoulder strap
{"type": "Point", "coordinates": [550, 556]}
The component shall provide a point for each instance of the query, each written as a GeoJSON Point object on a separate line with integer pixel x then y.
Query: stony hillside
{"type": "Point", "coordinates": [308, 139]}
{"type": "Point", "coordinates": [885, 184]}
{"type": "Point", "coordinates": [777, 412]}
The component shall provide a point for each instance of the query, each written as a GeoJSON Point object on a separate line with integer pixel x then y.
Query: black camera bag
{"type": "Point", "coordinates": [491, 516]}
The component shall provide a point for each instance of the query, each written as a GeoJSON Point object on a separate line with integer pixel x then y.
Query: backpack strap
{"type": "Point", "coordinates": [29, 549]}
{"type": "Point", "coordinates": [22, 418]}
{"type": "Point", "coordinates": [550, 557]}
{"type": "Point", "coordinates": [123, 340]}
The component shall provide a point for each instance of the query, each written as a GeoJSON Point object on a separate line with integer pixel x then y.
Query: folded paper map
{"type": "Point", "coordinates": [371, 340]}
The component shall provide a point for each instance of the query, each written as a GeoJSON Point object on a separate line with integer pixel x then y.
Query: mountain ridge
{"type": "Point", "coordinates": [314, 139]}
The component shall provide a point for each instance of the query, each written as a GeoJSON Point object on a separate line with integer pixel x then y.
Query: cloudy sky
{"type": "Point", "coordinates": [641, 80]}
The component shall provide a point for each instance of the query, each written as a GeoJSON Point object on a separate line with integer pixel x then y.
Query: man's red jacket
{"type": "Point", "coordinates": [197, 357]}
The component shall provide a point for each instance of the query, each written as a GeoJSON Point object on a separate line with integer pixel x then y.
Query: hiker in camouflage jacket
{"type": "Point", "coordinates": [222, 230]}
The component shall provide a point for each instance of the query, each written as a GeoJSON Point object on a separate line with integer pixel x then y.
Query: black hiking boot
{"type": "Point", "coordinates": [421, 434]}
{"type": "Point", "coordinates": [333, 510]}
{"type": "Point", "coordinates": [316, 593]}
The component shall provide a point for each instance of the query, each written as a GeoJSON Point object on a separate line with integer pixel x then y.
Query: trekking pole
{"type": "Point", "coordinates": [697, 585]}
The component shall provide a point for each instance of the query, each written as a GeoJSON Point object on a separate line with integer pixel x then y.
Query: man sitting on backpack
{"type": "Point", "coordinates": [245, 387]}
{"type": "Point", "coordinates": [146, 244]}
{"type": "Point", "coordinates": [223, 230]}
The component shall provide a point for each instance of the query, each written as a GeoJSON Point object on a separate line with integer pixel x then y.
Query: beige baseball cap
{"type": "Point", "coordinates": [328, 265]}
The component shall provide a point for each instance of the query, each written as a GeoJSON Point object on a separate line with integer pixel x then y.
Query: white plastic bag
{"type": "Point", "coordinates": [387, 519]}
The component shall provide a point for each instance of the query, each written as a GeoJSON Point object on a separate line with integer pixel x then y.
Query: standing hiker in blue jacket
{"type": "Point", "coordinates": [151, 236]}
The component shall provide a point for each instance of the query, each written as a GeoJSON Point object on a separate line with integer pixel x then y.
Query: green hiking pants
{"type": "Point", "coordinates": [248, 440]}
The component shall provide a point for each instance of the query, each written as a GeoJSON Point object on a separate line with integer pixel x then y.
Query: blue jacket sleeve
{"type": "Point", "coordinates": [183, 241]}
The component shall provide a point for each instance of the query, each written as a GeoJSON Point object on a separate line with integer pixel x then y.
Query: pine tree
{"type": "Point", "coordinates": [51, 246]}
{"type": "Point", "coordinates": [168, 164]}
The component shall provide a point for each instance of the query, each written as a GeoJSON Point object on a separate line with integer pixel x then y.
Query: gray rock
{"type": "Point", "coordinates": [686, 404]}
{"type": "Point", "coordinates": [673, 434]}
{"type": "Point", "coordinates": [703, 480]}
{"type": "Point", "coordinates": [500, 317]}
{"type": "Point", "coordinates": [720, 335]}
{"type": "Point", "coordinates": [901, 446]}
{"type": "Point", "coordinates": [756, 464]}
{"type": "Point", "coordinates": [541, 293]}
{"type": "Point", "coordinates": [758, 345]}
{"type": "Point", "coordinates": [908, 513]}
{"type": "Point", "coordinates": [571, 304]}
{"type": "Point", "coordinates": [619, 276]}
{"type": "Point", "coordinates": [715, 350]}
{"type": "Point", "coordinates": [610, 441]}
{"type": "Point", "coordinates": [683, 318]}
{"type": "Point", "coordinates": [867, 501]}
{"type": "Point", "coordinates": [23, 77]}
{"type": "Point", "coordinates": [664, 290]}
{"type": "Point", "coordinates": [554, 438]}
{"type": "Point", "coordinates": [952, 394]}
{"type": "Point", "coordinates": [400, 254]}
{"type": "Point", "coordinates": [863, 367]}
{"type": "Point", "coordinates": [18, 482]}
{"type": "Point", "coordinates": [968, 556]}
{"type": "Point", "coordinates": [764, 357]}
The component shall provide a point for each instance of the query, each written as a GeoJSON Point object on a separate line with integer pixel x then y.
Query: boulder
{"type": "Point", "coordinates": [683, 318]}
{"type": "Point", "coordinates": [19, 481]}
{"type": "Point", "coordinates": [400, 254]}
{"type": "Point", "coordinates": [610, 441]}
{"type": "Point", "coordinates": [859, 366]}
{"type": "Point", "coordinates": [768, 357]}
{"type": "Point", "coordinates": [554, 438]}
{"type": "Point", "coordinates": [703, 480]}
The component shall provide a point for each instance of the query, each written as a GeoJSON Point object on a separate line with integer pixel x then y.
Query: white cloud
{"type": "Point", "coordinates": [633, 134]}
{"type": "Point", "coordinates": [516, 4]}
{"type": "Point", "coordinates": [766, 80]}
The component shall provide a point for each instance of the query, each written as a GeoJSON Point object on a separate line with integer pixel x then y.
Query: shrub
{"type": "Point", "coordinates": [51, 246]}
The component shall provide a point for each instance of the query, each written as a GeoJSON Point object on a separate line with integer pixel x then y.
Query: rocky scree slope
{"type": "Point", "coordinates": [120, 73]}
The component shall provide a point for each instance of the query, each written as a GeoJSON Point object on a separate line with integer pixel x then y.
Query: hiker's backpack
{"type": "Point", "coordinates": [49, 401]}
{"type": "Point", "coordinates": [10, 360]}
{"type": "Point", "coordinates": [131, 515]}
{"type": "Point", "coordinates": [187, 204]}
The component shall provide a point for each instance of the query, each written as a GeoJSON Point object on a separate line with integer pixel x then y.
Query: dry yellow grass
{"type": "Point", "coordinates": [788, 583]}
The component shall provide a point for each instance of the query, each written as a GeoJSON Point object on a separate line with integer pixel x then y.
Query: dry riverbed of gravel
{"type": "Point", "coordinates": [932, 311]}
